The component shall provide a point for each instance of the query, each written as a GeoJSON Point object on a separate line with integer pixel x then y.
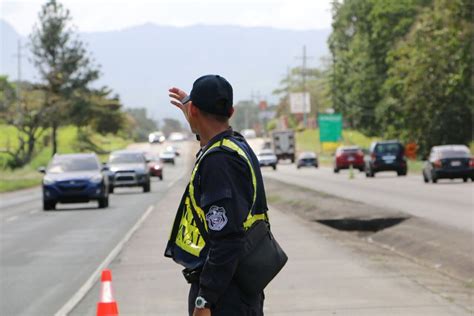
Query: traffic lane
{"type": "Point", "coordinates": [47, 256]}
{"type": "Point", "coordinates": [448, 202]}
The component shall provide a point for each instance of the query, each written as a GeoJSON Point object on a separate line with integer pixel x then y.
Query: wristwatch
{"type": "Point", "coordinates": [201, 302]}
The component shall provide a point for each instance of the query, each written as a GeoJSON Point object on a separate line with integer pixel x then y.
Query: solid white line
{"type": "Point", "coordinates": [85, 288]}
{"type": "Point", "coordinates": [11, 219]}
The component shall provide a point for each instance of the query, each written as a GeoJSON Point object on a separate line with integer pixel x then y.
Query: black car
{"type": "Point", "coordinates": [74, 178]}
{"type": "Point", "coordinates": [449, 162]}
{"type": "Point", "coordinates": [386, 156]}
{"type": "Point", "coordinates": [128, 168]}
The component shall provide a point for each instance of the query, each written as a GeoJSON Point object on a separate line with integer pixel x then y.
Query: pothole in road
{"type": "Point", "coordinates": [365, 226]}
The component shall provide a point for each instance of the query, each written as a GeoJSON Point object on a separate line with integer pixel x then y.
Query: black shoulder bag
{"type": "Point", "coordinates": [261, 259]}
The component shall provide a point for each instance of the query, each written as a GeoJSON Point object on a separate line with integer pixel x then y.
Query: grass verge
{"type": "Point", "coordinates": [11, 180]}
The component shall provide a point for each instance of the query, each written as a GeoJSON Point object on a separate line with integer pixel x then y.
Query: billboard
{"type": "Point", "coordinates": [300, 102]}
{"type": "Point", "coordinates": [330, 127]}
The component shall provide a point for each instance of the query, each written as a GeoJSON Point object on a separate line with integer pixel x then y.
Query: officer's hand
{"type": "Point", "coordinates": [177, 95]}
{"type": "Point", "coordinates": [202, 312]}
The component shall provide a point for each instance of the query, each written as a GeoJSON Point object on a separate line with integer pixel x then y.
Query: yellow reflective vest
{"type": "Point", "coordinates": [186, 243]}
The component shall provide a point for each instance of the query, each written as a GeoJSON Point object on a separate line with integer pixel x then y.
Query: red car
{"type": "Point", "coordinates": [155, 166]}
{"type": "Point", "coordinates": [349, 155]}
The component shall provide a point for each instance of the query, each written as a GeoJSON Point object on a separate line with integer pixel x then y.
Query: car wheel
{"type": "Point", "coordinates": [434, 180]}
{"type": "Point", "coordinates": [146, 187]}
{"type": "Point", "coordinates": [472, 179]}
{"type": "Point", "coordinates": [316, 166]}
{"type": "Point", "coordinates": [111, 189]}
{"type": "Point", "coordinates": [401, 173]}
{"type": "Point", "coordinates": [464, 179]}
{"type": "Point", "coordinates": [361, 169]}
{"type": "Point", "coordinates": [104, 202]}
{"type": "Point", "coordinates": [161, 178]}
{"type": "Point", "coordinates": [49, 205]}
{"type": "Point", "coordinates": [274, 167]}
{"type": "Point", "coordinates": [336, 170]}
{"type": "Point", "coordinates": [425, 178]}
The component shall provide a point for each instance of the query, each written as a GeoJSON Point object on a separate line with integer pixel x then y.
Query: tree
{"type": "Point", "coordinates": [171, 125]}
{"type": "Point", "coordinates": [27, 115]}
{"type": "Point", "coordinates": [62, 61]}
{"type": "Point", "coordinates": [430, 80]}
{"type": "Point", "coordinates": [364, 32]}
{"type": "Point", "coordinates": [139, 124]}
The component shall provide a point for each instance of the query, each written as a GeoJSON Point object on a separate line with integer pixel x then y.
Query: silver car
{"type": "Point", "coordinates": [128, 169]}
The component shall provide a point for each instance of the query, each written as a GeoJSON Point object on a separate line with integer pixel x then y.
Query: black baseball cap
{"type": "Point", "coordinates": [212, 94]}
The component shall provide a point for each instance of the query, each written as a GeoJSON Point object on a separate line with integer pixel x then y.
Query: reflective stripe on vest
{"type": "Point", "coordinates": [188, 238]}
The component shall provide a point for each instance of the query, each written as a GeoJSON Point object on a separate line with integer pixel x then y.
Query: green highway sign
{"type": "Point", "coordinates": [330, 127]}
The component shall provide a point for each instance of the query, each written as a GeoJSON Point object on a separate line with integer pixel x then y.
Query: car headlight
{"type": "Point", "coordinates": [96, 179]}
{"type": "Point", "coordinates": [47, 180]}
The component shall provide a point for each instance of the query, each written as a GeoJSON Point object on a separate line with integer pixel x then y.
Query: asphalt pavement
{"type": "Point", "coordinates": [46, 257]}
{"type": "Point", "coordinates": [49, 259]}
{"type": "Point", "coordinates": [446, 203]}
{"type": "Point", "coordinates": [323, 276]}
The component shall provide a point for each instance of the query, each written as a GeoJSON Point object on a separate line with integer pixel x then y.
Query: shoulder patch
{"type": "Point", "coordinates": [216, 218]}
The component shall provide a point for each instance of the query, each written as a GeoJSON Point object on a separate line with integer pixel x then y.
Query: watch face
{"type": "Point", "coordinates": [200, 302]}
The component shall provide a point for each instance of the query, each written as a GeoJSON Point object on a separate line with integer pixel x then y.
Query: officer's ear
{"type": "Point", "coordinates": [231, 112]}
{"type": "Point", "coordinates": [193, 110]}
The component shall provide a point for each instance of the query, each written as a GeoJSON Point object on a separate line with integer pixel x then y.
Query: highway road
{"type": "Point", "coordinates": [447, 202]}
{"type": "Point", "coordinates": [45, 257]}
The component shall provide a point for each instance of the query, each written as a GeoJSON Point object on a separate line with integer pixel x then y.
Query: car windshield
{"type": "Point", "coordinates": [457, 153]}
{"type": "Point", "coordinates": [60, 165]}
{"type": "Point", "coordinates": [388, 148]}
{"type": "Point", "coordinates": [126, 158]}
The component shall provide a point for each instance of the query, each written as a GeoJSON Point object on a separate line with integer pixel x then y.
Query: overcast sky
{"type": "Point", "coordinates": [105, 15]}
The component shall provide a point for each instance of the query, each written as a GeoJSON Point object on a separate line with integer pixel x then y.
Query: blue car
{"type": "Point", "coordinates": [74, 178]}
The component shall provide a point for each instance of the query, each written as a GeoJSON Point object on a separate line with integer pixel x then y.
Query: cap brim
{"type": "Point", "coordinates": [186, 99]}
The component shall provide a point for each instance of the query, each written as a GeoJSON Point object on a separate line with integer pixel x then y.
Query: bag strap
{"type": "Point", "coordinates": [199, 224]}
{"type": "Point", "coordinates": [179, 214]}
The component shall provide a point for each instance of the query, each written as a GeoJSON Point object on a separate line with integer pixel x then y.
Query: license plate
{"type": "Point", "coordinates": [455, 163]}
{"type": "Point", "coordinates": [350, 159]}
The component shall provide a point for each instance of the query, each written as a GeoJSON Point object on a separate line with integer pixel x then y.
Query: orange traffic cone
{"type": "Point", "coordinates": [107, 306]}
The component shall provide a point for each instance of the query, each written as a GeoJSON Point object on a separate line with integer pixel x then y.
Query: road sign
{"type": "Point", "coordinates": [300, 102]}
{"type": "Point", "coordinates": [330, 127]}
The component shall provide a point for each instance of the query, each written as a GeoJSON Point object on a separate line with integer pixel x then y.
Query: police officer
{"type": "Point", "coordinates": [225, 196]}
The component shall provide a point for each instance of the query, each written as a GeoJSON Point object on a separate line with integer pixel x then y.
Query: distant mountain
{"type": "Point", "coordinates": [140, 63]}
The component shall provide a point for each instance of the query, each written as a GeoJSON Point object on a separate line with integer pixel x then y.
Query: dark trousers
{"type": "Point", "coordinates": [232, 302]}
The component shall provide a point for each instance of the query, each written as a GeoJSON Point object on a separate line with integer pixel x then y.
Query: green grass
{"type": "Point", "coordinates": [308, 140]}
{"type": "Point", "coordinates": [28, 176]}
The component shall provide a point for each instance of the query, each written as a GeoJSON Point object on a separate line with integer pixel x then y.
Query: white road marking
{"type": "Point", "coordinates": [11, 219]}
{"type": "Point", "coordinates": [34, 211]}
{"type": "Point", "coordinates": [85, 288]}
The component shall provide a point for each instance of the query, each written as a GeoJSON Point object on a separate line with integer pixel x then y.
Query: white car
{"type": "Point", "coordinates": [267, 158]}
{"type": "Point", "coordinates": [249, 133]}
{"type": "Point", "coordinates": [156, 137]}
{"type": "Point", "coordinates": [176, 137]}
{"type": "Point", "coordinates": [168, 156]}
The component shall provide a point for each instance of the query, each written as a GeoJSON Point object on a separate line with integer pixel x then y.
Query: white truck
{"type": "Point", "coordinates": [284, 144]}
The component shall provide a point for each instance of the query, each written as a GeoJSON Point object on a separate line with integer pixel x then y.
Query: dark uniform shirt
{"type": "Point", "coordinates": [225, 184]}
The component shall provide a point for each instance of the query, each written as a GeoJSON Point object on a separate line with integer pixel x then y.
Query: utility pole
{"type": "Point", "coordinates": [19, 57]}
{"type": "Point", "coordinates": [303, 74]}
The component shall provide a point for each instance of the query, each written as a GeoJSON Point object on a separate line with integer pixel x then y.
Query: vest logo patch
{"type": "Point", "coordinates": [216, 218]}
